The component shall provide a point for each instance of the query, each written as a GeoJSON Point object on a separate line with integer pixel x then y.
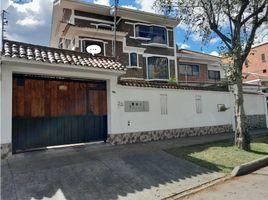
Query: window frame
{"type": "Point", "coordinates": [81, 40]}
{"type": "Point", "coordinates": [214, 79]}
{"type": "Point", "coordinates": [191, 65]}
{"type": "Point", "coordinates": [150, 39]}
{"type": "Point", "coordinates": [129, 60]}
{"type": "Point", "coordinates": [147, 68]}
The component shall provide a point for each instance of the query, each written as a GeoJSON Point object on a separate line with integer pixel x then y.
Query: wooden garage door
{"type": "Point", "coordinates": [48, 112]}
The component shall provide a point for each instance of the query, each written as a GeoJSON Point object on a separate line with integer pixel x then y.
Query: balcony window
{"type": "Point", "coordinates": [158, 68]}
{"type": "Point", "coordinates": [189, 70]}
{"type": "Point", "coordinates": [154, 34]}
{"type": "Point", "coordinates": [214, 75]}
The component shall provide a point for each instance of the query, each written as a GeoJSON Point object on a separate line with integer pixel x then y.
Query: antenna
{"type": "Point", "coordinates": [115, 14]}
{"type": "Point", "coordinates": [4, 23]}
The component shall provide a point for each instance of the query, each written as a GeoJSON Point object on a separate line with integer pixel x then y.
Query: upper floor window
{"type": "Point", "coordinates": [189, 70]}
{"type": "Point", "coordinates": [158, 68]}
{"type": "Point", "coordinates": [263, 57]}
{"type": "Point", "coordinates": [86, 43]}
{"type": "Point", "coordinates": [155, 34]}
{"type": "Point", "coordinates": [133, 60]}
{"type": "Point", "coordinates": [214, 75]}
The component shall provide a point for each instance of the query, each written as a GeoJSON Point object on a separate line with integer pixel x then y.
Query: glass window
{"type": "Point", "coordinates": [133, 59]}
{"type": "Point", "coordinates": [214, 75]}
{"type": "Point", "coordinates": [154, 33]}
{"type": "Point", "coordinates": [158, 68]}
{"type": "Point", "coordinates": [143, 31]}
{"type": "Point", "coordinates": [189, 70]}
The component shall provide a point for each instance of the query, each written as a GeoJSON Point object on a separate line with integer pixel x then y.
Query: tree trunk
{"type": "Point", "coordinates": [242, 137]}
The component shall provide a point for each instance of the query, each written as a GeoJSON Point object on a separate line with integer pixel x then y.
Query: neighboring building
{"type": "Point", "coordinates": [144, 41]}
{"type": "Point", "coordinates": [198, 68]}
{"type": "Point", "coordinates": [255, 68]}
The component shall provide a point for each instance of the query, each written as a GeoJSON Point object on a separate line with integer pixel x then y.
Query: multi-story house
{"type": "Point", "coordinates": [255, 68]}
{"type": "Point", "coordinates": [198, 68]}
{"type": "Point", "coordinates": [144, 41]}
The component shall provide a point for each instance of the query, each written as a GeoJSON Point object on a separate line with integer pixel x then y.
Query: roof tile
{"type": "Point", "coordinates": [52, 55]}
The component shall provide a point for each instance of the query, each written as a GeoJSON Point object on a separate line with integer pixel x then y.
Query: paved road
{"type": "Point", "coordinates": [250, 187]}
{"type": "Point", "coordinates": [137, 171]}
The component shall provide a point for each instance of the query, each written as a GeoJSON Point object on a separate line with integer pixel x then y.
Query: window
{"type": "Point", "coordinates": [163, 104]}
{"type": "Point", "coordinates": [189, 70]}
{"type": "Point", "coordinates": [86, 43]}
{"type": "Point", "coordinates": [214, 75]}
{"type": "Point", "coordinates": [264, 71]}
{"type": "Point", "coordinates": [263, 57]}
{"type": "Point", "coordinates": [133, 59]}
{"type": "Point", "coordinates": [158, 68]}
{"type": "Point", "coordinates": [155, 34]}
{"type": "Point", "coordinates": [198, 104]}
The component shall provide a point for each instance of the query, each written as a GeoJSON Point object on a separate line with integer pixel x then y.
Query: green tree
{"type": "Point", "coordinates": [235, 22]}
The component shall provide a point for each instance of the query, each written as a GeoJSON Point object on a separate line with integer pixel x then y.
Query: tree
{"type": "Point", "coordinates": [235, 22]}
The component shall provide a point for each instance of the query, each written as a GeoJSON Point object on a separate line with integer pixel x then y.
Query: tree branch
{"type": "Point", "coordinates": [255, 12]}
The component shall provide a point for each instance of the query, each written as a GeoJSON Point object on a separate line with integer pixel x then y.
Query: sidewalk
{"type": "Point", "coordinates": [249, 187]}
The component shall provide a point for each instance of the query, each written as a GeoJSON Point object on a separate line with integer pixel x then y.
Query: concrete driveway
{"type": "Point", "coordinates": [138, 171]}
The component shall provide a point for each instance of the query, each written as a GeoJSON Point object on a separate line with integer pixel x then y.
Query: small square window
{"type": "Point", "coordinates": [263, 57]}
{"type": "Point", "coordinates": [133, 59]}
{"type": "Point", "coordinates": [264, 71]}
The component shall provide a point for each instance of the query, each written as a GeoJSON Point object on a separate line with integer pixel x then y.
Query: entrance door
{"type": "Point", "coordinates": [50, 111]}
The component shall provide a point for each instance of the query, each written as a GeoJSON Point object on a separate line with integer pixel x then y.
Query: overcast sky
{"type": "Point", "coordinates": [30, 21]}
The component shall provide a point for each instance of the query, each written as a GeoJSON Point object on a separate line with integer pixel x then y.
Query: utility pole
{"type": "Point", "coordinates": [4, 23]}
{"type": "Point", "coordinates": [115, 15]}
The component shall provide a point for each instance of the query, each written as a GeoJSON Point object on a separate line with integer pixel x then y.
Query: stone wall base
{"type": "Point", "coordinates": [146, 136]}
{"type": "Point", "coordinates": [5, 150]}
{"type": "Point", "coordinates": [256, 121]}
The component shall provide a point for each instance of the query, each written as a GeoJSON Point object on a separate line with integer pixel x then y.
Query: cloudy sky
{"type": "Point", "coordinates": [30, 21]}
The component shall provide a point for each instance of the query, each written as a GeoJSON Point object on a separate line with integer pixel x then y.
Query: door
{"type": "Point", "coordinates": [53, 111]}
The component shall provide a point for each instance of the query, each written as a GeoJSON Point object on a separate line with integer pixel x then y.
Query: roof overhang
{"type": "Point", "coordinates": [194, 58]}
{"type": "Point", "coordinates": [31, 63]}
{"type": "Point", "coordinates": [124, 13]}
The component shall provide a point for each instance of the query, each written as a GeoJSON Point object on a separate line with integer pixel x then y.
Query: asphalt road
{"type": "Point", "coordinates": [250, 187]}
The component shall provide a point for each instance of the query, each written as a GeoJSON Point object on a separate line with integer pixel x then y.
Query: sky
{"type": "Point", "coordinates": [30, 21]}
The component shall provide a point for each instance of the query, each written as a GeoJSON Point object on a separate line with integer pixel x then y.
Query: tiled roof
{"type": "Point", "coordinates": [37, 53]}
{"type": "Point", "coordinates": [166, 85]}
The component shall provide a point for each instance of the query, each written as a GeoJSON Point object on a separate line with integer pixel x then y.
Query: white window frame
{"type": "Point", "coordinates": [147, 39]}
{"type": "Point", "coordinates": [96, 40]}
{"type": "Point", "coordinates": [129, 61]}
{"type": "Point", "coordinates": [147, 70]}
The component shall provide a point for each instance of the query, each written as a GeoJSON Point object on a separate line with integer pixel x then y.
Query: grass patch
{"type": "Point", "coordinates": [221, 156]}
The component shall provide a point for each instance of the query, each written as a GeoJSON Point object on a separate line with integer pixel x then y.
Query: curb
{"type": "Point", "coordinates": [198, 188]}
{"type": "Point", "coordinates": [250, 166]}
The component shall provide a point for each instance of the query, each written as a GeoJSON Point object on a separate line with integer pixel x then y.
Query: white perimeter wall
{"type": "Point", "coordinates": [181, 103]}
{"type": "Point", "coordinates": [181, 109]}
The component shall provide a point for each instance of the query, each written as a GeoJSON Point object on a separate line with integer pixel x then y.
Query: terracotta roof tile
{"type": "Point", "coordinates": [165, 85]}
{"type": "Point", "coordinates": [38, 53]}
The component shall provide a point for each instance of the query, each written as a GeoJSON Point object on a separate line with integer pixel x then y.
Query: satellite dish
{"type": "Point", "coordinates": [93, 49]}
